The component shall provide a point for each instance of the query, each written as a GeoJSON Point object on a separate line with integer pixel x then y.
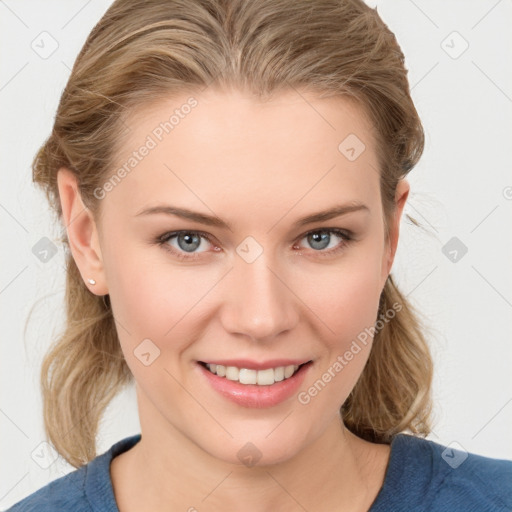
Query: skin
{"type": "Point", "coordinates": [260, 167]}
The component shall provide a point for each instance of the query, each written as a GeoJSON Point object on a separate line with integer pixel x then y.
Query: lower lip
{"type": "Point", "coordinates": [252, 395]}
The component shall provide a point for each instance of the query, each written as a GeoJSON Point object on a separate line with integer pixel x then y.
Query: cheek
{"type": "Point", "coordinates": [346, 301]}
{"type": "Point", "coordinates": [348, 309]}
{"type": "Point", "coordinates": [157, 302]}
{"type": "Point", "coordinates": [346, 296]}
{"type": "Point", "coordinates": [147, 295]}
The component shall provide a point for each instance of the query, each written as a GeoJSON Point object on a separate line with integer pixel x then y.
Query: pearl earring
{"type": "Point", "coordinates": [91, 281]}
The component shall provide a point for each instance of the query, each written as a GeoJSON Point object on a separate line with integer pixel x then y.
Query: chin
{"type": "Point", "coordinates": [257, 450]}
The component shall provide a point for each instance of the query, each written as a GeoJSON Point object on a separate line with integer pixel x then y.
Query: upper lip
{"type": "Point", "coordinates": [257, 365]}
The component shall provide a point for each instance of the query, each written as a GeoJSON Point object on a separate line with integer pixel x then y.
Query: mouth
{"type": "Point", "coordinates": [252, 376]}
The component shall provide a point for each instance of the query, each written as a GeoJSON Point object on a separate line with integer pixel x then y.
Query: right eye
{"type": "Point", "coordinates": [186, 243]}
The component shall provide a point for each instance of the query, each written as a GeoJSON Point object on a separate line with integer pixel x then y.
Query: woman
{"type": "Point", "coordinates": [231, 176]}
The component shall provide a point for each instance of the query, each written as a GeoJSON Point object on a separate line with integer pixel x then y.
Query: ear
{"type": "Point", "coordinates": [82, 232]}
{"type": "Point", "coordinates": [401, 195]}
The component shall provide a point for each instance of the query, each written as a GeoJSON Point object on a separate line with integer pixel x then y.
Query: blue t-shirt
{"type": "Point", "coordinates": [421, 476]}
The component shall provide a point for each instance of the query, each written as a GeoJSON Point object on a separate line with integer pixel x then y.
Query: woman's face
{"type": "Point", "coordinates": [269, 290]}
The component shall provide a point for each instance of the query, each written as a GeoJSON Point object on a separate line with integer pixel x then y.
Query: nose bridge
{"type": "Point", "coordinates": [259, 304]}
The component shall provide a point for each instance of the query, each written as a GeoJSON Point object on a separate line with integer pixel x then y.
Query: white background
{"type": "Point", "coordinates": [461, 188]}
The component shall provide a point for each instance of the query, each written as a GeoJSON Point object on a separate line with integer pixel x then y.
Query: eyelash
{"type": "Point", "coordinates": [163, 239]}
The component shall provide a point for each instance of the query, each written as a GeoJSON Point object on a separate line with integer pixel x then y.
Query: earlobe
{"type": "Point", "coordinates": [401, 195]}
{"type": "Point", "coordinates": [82, 232]}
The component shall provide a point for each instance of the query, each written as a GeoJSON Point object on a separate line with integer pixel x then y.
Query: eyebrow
{"type": "Point", "coordinates": [212, 220]}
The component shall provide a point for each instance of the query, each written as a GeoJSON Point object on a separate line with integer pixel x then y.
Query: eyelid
{"type": "Point", "coordinates": [346, 234]}
{"type": "Point", "coordinates": [163, 239]}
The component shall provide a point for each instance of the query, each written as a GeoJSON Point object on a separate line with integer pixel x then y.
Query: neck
{"type": "Point", "coordinates": [167, 471]}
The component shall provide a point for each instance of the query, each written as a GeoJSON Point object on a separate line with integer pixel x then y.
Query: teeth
{"type": "Point", "coordinates": [263, 377]}
{"type": "Point", "coordinates": [247, 376]}
{"type": "Point", "coordinates": [232, 373]}
{"type": "Point", "coordinates": [288, 371]}
{"type": "Point", "coordinates": [279, 373]}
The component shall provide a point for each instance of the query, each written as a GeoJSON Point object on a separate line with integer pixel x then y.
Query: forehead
{"type": "Point", "coordinates": [231, 117]}
{"type": "Point", "coordinates": [216, 150]}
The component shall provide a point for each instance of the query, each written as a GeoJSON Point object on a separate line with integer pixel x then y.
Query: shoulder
{"type": "Point", "coordinates": [65, 493]}
{"type": "Point", "coordinates": [437, 477]}
{"type": "Point", "coordinates": [86, 489]}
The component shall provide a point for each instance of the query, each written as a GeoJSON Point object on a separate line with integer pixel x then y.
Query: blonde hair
{"type": "Point", "coordinates": [140, 52]}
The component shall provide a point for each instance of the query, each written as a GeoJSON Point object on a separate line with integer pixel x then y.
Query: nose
{"type": "Point", "coordinates": [260, 302]}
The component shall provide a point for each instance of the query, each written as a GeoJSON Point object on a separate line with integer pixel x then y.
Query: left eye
{"type": "Point", "coordinates": [189, 241]}
{"type": "Point", "coordinates": [320, 239]}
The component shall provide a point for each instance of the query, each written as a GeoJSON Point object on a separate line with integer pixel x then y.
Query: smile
{"type": "Point", "coordinates": [267, 384]}
{"type": "Point", "coordinates": [265, 377]}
